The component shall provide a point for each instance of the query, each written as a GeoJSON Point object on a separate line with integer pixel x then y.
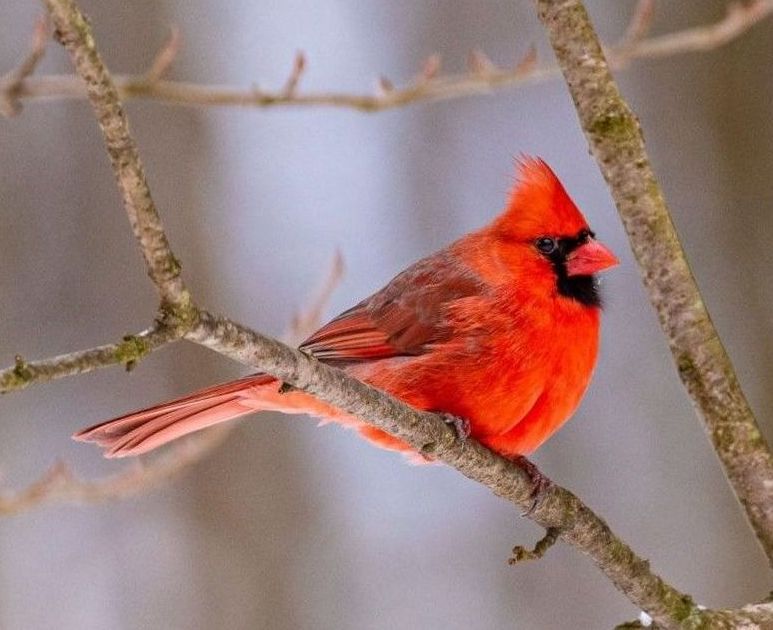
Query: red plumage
{"type": "Point", "coordinates": [500, 328]}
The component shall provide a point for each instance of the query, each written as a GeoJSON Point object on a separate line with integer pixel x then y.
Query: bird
{"type": "Point", "coordinates": [498, 331]}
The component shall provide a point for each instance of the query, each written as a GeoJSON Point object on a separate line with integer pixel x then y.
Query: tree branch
{"type": "Point", "coordinates": [426, 432]}
{"type": "Point", "coordinates": [757, 616]}
{"type": "Point", "coordinates": [11, 83]}
{"type": "Point", "coordinates": [522, 554]}
{"type": "Point", "coordinates": [59, 483]}
{"type": "Point", "coordinates": [479, 80]}
{"type": "Point", "coordinates": [704, 367]}
{"type": "Point", "coordinates": [128, 352]}
{"type": "Point", "coordinates": [740, 17]}
{"type": "Point", "coordinates": [74, 33]}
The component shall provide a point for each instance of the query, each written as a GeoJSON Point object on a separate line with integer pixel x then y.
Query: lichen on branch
{"type": "Point", "coordinates": [557, 509]}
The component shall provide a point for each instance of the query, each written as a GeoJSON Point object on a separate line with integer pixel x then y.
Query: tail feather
{"type": "Point", "coordinates": [176, 424]}
{"type": "Point", "coordinates": [144, 430]}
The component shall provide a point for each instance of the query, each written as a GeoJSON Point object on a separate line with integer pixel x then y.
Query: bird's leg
{"type": "Point", "coordinates": [461, 425]}
{"type": "Point", "coordinates": [540, 483]}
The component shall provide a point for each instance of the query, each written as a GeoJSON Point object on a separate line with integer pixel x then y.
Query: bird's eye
{"type": "Point", "coordinates": [546, 245]}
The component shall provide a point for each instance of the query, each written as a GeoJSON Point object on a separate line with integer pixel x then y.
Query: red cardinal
{"type": "Point", "coordinates": [501, 328]}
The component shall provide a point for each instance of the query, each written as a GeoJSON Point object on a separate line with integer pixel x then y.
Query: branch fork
{"type": "Point", "coordinates": [560, 512]}
{"type": "Point", "coordinates": [429, 84]}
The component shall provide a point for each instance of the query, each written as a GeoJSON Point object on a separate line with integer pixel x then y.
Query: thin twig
{"type": "Point", "coordinates": [306, 321]}
{"type": "Point", "coordinates": [557, 507]}
{"type": "Point", "coordinates": [127, 352]}
{"type": "Point", "coordinates": [639, 25]}
{"type": "Point", "coordinates": [165, 57]}
{"type": "Point", "coordinates": [12, 82]}
{"type": "Point", "coordinates": [617, 143]}
{"type": "Point", "coordinates": [522, 554]}
{"type": "Point", "coordinates": [60, 484]}
{"type": "Point", "coordinates": [740, 18]}
{"type": "Point", "coordinates": [299, 67]}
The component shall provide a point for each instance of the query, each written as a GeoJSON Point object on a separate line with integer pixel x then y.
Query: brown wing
{"type": "Point", "coordinates": [402, 319]}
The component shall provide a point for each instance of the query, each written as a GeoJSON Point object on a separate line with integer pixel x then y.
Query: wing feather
{"type": "Point", "coordinates": [403, 319]}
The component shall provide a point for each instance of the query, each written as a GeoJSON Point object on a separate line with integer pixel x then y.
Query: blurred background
{"type": "Point", "coordinates": [289, 526]}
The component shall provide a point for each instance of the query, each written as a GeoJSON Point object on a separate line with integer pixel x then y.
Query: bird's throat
{"type": "Point", "coordinates": [583, 289]}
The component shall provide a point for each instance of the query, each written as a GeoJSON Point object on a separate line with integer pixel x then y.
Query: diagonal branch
{"type": "Point", "coordinates": [558, 509]}
{"type": "Point", "coordinates": [74, 33]}
{"type": "Point", "coordinates": [165, 57]}
{"type": "Point", "coordinates": [306, 321]}
{"type": "Point", "coordinates": [617, 143]}
{"type": "Point", "coordinates": [427, 432]}
{"type": "Point", "coordinates": [739, 19]}
{"type": "Point", "coordinates": [638, 27]}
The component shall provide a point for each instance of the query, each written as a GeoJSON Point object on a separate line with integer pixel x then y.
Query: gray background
{"type": "Point", "coordinates": [290, 526]}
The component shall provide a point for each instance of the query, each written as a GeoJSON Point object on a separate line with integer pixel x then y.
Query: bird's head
{"type": "Point", "coordinates": [550, 229]}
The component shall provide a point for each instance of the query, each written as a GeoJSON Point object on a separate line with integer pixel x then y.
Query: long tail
{"type": "Point", "coordinates": [144, 430]}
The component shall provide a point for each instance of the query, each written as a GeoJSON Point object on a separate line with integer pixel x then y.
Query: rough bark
{"type": "Point", "coordinates": [428, 433]}
{"type": "Point", "coordinates": [616, 141]}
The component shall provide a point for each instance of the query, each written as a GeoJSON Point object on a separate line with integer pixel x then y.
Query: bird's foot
{"type": "Point", "coordinates": [540, 483]}
{"type": "Point", "coordinates": [461, 425]}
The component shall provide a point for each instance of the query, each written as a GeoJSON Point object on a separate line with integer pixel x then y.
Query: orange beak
{"type": "Point", "coordinates": [590, 258]}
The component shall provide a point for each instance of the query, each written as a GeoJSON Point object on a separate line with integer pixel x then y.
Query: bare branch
{"type": "Point", "coordinates": [483, 78]}
{"type": "Point", "coordinates": [128, 353]}
{"type": "Point", "coordinates": [74, 33]}
{"type": "Point", "coordinates": [427, 432]}
{"type": "Point", "coordinates": [639, 26]}
{"type": "Point", "coordinates": [165, 57]}
{"type": "Point", "coordinates": [11, 83]}
{"type": "Point", "coordinates": [522, 554]}
{"type": "Point", "coordinates": [59, 484]}
{"type": "Point", "coordinates": [740, 18]}
{"type": "Point", "coordinates": [305, 322]}
{"type": "Point", "coordinates": [299, 67]}
{"type": "Point", "coordinates": [617, 143]}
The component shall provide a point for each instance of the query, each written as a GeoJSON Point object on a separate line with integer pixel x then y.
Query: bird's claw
{"type": "Point", "coordinates": [540, 483]}
{"type": "Point", "coordinates": [461, 425]}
